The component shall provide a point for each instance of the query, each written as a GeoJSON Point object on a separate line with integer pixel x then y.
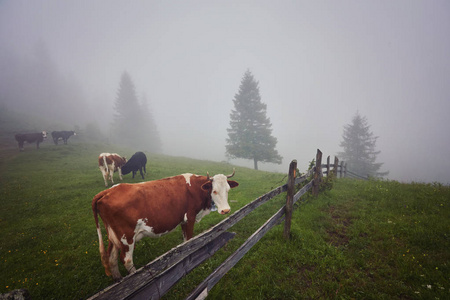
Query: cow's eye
{"type": "Point", "coordinates": [215, 192]}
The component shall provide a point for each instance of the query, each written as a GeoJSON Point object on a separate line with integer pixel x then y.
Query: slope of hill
{"type": "Point", "coordinates": [362, 239]}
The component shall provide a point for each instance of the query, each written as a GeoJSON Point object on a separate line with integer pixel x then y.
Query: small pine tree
{"type": "Point", "coordinates": [359, 148]}
{"type": "Point", "coordinates": [250, 133]}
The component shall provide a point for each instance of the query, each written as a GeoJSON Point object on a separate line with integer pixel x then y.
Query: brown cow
{"type": "Point", "coordinates": [37, 137]}
{"type": "Point", "coordinates": [153, 208]}
{"type": "Point", "coordinates": [109, 163]}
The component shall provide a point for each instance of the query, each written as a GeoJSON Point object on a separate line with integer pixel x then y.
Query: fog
{"type": "Point", "coordinates": [317, 63]}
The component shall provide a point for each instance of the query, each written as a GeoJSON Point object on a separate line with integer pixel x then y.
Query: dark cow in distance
{"type": "Point", "coordinates": [109, 163]}
{"type": "Point", "coordinates": [37, 137]}
{"type": "Point", "coordinates": [131, 211]}
{"type": "Point", "coordinates": [136, 163]}
{"type": "Point", "coordinates": [63, 135]}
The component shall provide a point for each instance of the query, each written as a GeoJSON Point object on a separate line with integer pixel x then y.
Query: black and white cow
{"type": "Point", "coordinates": [37, 137]}
{"type": "Point", "coordinates": [135, 163]}
{"type": "Point", "coordinates": [64, 135]}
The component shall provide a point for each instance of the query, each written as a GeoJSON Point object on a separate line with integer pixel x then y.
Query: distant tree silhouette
{"type": "Point", "coordinates": [359, 148]}
{"type": "Point", "coordinates": [132, 122]}
{"type": "Point", "coordinates": [250, 133]}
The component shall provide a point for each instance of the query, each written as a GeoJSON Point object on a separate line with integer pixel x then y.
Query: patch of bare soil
{"type": "Point", "coordinates": [340, 223]}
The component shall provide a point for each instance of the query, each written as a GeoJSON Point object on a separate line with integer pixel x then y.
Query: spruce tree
{"type": "Point", "coordinates": [250, 132]}
{"type": "Point", "coordinates": [127, 111]}
{"type": "Point", "coordinates": [133, 123]}
{"type": "Point", "coordinates": [359, 148]}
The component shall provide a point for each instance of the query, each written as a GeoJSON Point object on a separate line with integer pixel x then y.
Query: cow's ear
{"type": "Point", "coordinates": [232, 183]}
{"type": "Point", "coordinates": [207, 186]}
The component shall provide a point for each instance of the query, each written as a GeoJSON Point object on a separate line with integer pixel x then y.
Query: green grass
{"type": "Point", "coordinates": [48, 241]}
{"type": "Point", "coordinates": [362, 239]}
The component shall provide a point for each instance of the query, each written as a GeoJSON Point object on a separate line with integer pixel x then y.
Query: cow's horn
{"type": "Point", "coordinates": [234, 171]}
{"type": "Point", "coordinates": [207, 176]}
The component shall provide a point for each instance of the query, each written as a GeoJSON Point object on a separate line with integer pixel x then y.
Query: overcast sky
{"type": "Point", "coordinates": [317, 63]}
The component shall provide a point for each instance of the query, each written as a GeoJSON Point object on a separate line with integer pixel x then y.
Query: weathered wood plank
{"type": "Point", "coordinates": [233, 259]}
{"type": "Point", "coordinates": [303, 191]}
{"type": "Point", "coordinates": [161, 283]}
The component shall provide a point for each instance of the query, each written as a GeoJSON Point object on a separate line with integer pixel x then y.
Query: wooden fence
{"type": "Point", "coordinates": [156, 278]}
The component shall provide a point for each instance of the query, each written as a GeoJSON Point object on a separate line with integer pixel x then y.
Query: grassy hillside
{"type": "Point", "coordinates": [49, 243]}
{"type": "Point", "coordinates": [370, 240]}
{"type": "Point", "coordinates": [361, 240]}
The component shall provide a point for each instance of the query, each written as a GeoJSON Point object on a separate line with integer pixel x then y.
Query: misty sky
{"type": "Point", "coordinates": [317, 63]}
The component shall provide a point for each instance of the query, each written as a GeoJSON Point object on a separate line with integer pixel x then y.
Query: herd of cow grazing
{"type": "Point", "coordinates": [38, 137]}
{"type": "Point", "coordinates": [148, 209]}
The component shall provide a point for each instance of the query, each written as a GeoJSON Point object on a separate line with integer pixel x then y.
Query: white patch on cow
{"type": "Point", "coordinates": [143, 230]}
{"type": "Point", "coordinates": [128, 259]}
{"type": "Point", "coordinates": [201, 214]}
{"type": "Point", "coordinates": [185, 218]}
{"type": "Point", "coordinates": [187, 177]}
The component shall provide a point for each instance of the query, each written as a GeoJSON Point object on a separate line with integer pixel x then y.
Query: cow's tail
{"type": "Point", "coordinates": [105, 164]}
{"type": "Point", "coordinates": [101, 246]}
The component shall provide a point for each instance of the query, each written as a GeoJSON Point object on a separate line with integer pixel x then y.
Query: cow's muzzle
{"type": "Point", "coordinates": [225, 211]}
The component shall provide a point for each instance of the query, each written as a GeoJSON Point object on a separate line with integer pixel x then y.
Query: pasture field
{"type": "Point", "coordinates": [361, 239]}
{"type": "Point", "coordinates": [48, 241]}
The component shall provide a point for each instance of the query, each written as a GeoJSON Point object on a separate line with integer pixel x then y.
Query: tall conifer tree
{"type": "Point", "coordinates": [126, 108]}
{"type": "Point", "coordinates": [133, 123]}
{"type": "Point", "coordinates": [359, 148]}
{"type": "Point", "coordinates": [250, 132]}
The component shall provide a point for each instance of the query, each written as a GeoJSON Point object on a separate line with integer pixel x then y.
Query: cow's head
{"type": "Point", "coordinates": [219, 185]}
{"type": "Point", "coordinates": [44, 134]}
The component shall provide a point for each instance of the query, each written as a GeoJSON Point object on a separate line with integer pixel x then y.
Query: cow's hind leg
{"type": "Point", "coordinates": [105, 176]}
{"type": "Point", "coordinates": [142, 174]}
{"type": "Point", "coordinates": [113, 254]}
{"type": "Point", "coordinates": [126, 256]}
{"type": "Point", "coordinates": [111, 174]}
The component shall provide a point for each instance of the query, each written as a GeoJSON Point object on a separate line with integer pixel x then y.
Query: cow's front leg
{"type": "Point", "coordinates": [120, 174]}
{"type": "Point", "coordinates": [188, 229]}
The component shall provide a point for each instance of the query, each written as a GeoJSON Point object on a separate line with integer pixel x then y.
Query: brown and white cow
{"type": "Point", "coordinates": [154, 208]}
{"type": "Point", "coordinates": [37, 137]}
{"type": "Point", "coordinates": [109, 163]}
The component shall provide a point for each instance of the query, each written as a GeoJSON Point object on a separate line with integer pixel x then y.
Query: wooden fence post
{"type": "Point", "coordinates": [342, 169]}
{"type": "Point", "coordinates": [317, 173]}
{"type": "Point", "coordinates": [335, 167]}
{"type": "Point", "coordinates": [328, 166]}
{"type": "Point", "coordinates": [290, 199]}
{"type": "Point", "coordinates": [345, 169]}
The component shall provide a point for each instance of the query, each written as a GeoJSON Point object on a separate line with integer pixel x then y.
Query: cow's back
{"type": "Point", "coordinates": [163, 203]}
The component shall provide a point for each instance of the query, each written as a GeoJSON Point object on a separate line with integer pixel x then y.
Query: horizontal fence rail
{"type": "Point", "coordinates": [156, 278]}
